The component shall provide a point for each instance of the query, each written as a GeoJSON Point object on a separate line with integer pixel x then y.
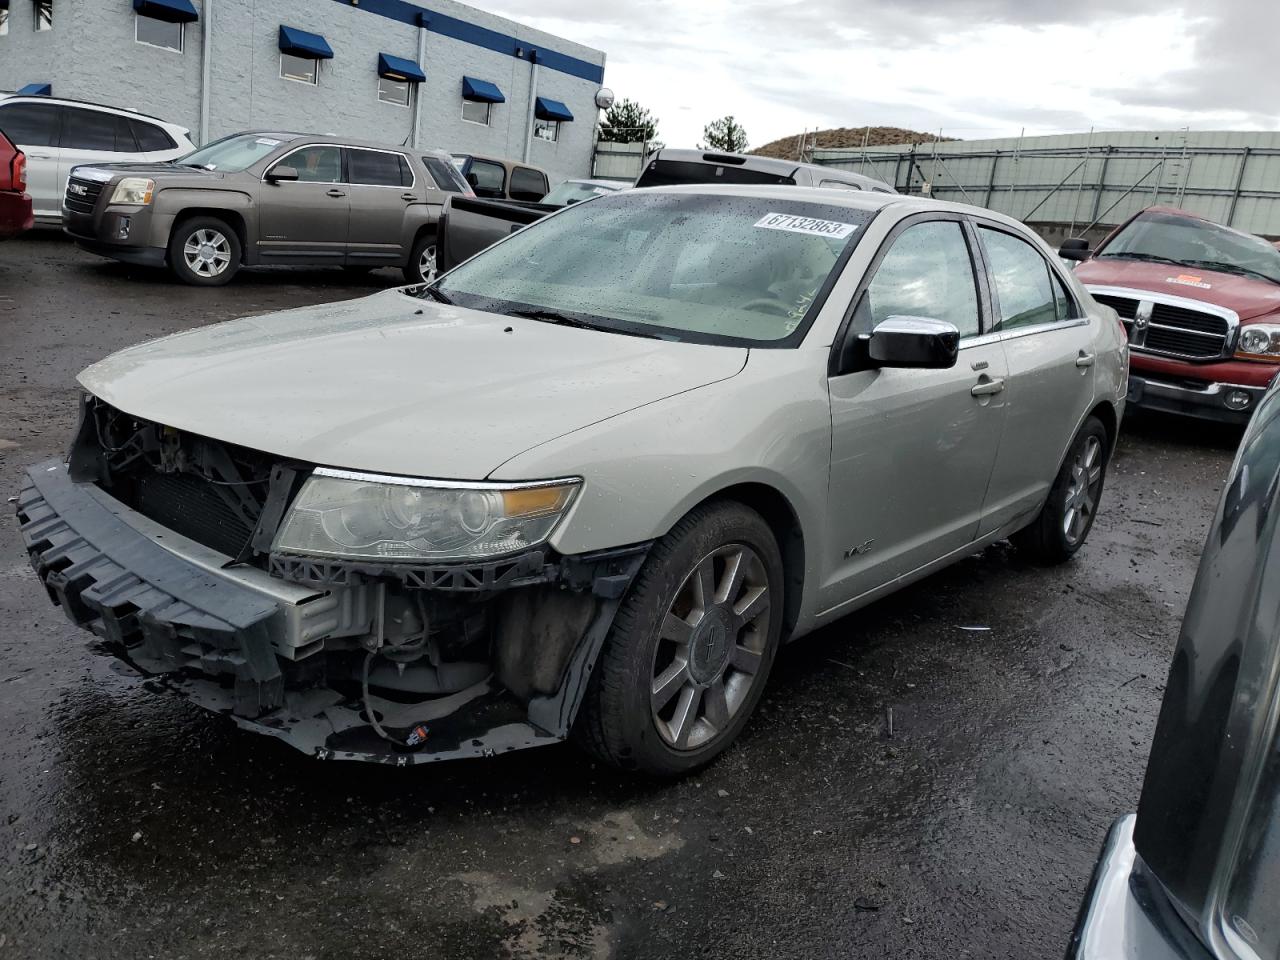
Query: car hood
{"type": "Point", "coordinates": [106, 172]}
{"type": "Point", "coordinates": [393, 384]}
{"type": "Point", "coordinates": [1249, 298]}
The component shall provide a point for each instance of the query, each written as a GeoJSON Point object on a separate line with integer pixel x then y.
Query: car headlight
{"type": "Point", "coordinates": [1259, 341]}
{"type": "Point", "coordinates": [135, 190]}
{"type": "Point", "coordinates": [367, 516]}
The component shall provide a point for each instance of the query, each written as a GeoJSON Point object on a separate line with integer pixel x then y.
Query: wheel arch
{"type": "Point", "coordinates": [782, 518]}
{"type": "Point", "coordinates": [233, 218]}
{"type": "Point", "coordinates": [1105, 411]}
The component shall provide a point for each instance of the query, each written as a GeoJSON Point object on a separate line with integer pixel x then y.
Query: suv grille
{"type": "Point", "coordinates": [82, 202]}
{"type": "Point", "coordinates": [1168, 330]}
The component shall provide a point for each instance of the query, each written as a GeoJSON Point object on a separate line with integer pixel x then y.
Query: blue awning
{"type": "Point", "coordinates": [299, 43]}
{"type": "Point", "coordinates": [398, 68]}
{"type": "Point", "coordinates": [174, 11]}
{"type": "Point", "coordinates": [547, 109]}
{"type": "Point", "coordinates": [481, 90]}
{"type": "Point", "coordinates": [37, 90]}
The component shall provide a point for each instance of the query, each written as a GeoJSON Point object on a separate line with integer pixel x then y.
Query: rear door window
{"type": "Point", "coordinates": [95, 130]}
{"type": "Point", "coordinates": [30, 124]}
{"type": "Point", "coordinates": [528, 184]}
{"type": "Point", "coordinates": [374, 168]}
{"type": "Point", "coordinates": [1021, 280]}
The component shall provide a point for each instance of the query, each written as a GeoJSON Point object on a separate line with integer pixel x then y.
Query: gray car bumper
{"type": "Point", "coordinates": [1126, 915]}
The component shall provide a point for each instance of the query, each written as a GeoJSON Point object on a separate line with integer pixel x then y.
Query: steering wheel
{"type": "Point", "coordinates": [767, 305]}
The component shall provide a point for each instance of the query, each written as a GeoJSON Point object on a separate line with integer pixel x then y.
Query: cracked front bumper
{"type": "Point", "coordinates": [241, 642]}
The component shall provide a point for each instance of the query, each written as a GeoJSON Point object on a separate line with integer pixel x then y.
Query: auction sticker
{"type": "Point", "coordinates": [1187, 280]}
{"type": "Point", "coordinates": [810, 225]}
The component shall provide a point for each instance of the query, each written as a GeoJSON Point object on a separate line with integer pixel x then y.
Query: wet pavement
{"type": "Point", "coordinates": [132, 825]}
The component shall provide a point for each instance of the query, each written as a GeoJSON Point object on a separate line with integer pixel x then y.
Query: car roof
{"type": "Point", "coordinates": [68, 102]}
{"type": "Point", "coordinates": [292, 138]}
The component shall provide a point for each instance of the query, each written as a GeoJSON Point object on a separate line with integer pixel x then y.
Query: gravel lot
{"type": "Point", "coordinates": [137, 826]}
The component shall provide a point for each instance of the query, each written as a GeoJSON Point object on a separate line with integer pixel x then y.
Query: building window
{"type": "Point", "coordinates": [302, 69]}
{"type": "Point", "coordinates": [548, 130]}
{"type": "Point", "coordinates": [44, 15]}
{"type": "Point", "coordinates": [393, 91]}
{"type": "Point", "coordinates": [4, 23]}
{"type": "Point", "coordinates": [476, 111]}
{"type": "Point", "coordinates": [159, 33]}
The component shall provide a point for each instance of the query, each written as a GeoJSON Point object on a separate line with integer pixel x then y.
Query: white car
{"type": "Point", "coordinates": [57, 135]}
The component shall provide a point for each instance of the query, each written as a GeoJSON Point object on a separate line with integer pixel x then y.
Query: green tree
{"type": "Point", "coordinates": [726, 135]}
{"type": "Point", "coordinates": [628, 122]}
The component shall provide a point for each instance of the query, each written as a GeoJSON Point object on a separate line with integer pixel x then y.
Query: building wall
{"type": "Point", "coordinates": [91, 54]}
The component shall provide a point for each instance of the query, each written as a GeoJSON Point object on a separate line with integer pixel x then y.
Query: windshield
{"type": "Point", "coordinates": [234, 154]}
{"type": "Point", "coordinates": [707, 268]}
{"type": "Point", "coordinates": [1168, 238]}
{"type": "Point", "coordinates": [575, 191]}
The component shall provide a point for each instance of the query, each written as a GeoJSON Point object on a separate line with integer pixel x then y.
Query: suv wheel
{"type": "Point", "coordinates": [204, 251]}
{"type": "Point", "coordinates": [691, 646]}
{"type": "Point", "coordinates": [421, 267]}
{"type": "Point", "coordinates": [1067, 516]}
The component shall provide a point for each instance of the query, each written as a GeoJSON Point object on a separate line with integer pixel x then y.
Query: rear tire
{"type": "Point", "coordinates": [204, 252]}
{"type": "Point", "coordinates": [1067, 516]}
{"type": "Point", "coordinates": [691, 646]}
{"type": "Point", "coordinates": [421, 267]}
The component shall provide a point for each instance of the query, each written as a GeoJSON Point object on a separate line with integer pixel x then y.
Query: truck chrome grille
{"type": "Point", "coordinates": [1160, 327]}
{"type": "Point", "coordinates": [82, 194]}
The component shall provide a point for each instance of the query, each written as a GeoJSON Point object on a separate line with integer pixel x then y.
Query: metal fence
{"type": "Point", "coordinates": [1098, 179]}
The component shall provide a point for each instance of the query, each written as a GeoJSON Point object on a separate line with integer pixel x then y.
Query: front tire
{"type": "Point", "coordinates": [204, 252]}
{"type": "Point", "coordinates": [1067, 516]}
{"type": "Point", "coordinates": [691, 646]}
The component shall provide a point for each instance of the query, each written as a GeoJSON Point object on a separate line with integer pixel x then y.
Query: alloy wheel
{"type": "Point", "coordinates": [207, 252]}
{"type": "Point", "coordinates": [1082, 491]}
{"type": "Point", "coordinates": [427, 264]}
{"type": "Point", "coordinates": [710, 647]}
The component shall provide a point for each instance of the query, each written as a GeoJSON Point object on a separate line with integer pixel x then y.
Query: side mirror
{"type": "Point", "coordinates": [282, 174]}
{"type": "Point", "coordinates": [913, 342]}
{"type": "Point", "coordinates": [1075, 248]}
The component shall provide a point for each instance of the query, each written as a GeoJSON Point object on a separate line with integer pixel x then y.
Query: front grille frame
{"type": "Point", "coordinates": [1167, 325]}
{"type": "Point", "coordinates": [83, 204]}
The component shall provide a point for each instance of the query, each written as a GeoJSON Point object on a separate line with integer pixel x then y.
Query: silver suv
{"type": "Point", "coordinates": [266, 198]}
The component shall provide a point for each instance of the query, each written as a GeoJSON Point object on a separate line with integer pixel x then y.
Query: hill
{"type": "Point", "coordinates": [845, 137]}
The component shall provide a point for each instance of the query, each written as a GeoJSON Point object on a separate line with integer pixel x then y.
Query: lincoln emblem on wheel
{"type": "Point", "coordinates": [584, 484]}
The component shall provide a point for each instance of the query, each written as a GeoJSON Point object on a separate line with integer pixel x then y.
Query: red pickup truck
{"type": "Point", "coordinates": [15, 205]}
{"type": "Point", "coordinates": [1201, 304]}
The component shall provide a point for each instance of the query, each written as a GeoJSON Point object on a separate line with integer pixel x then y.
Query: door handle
{"type": "Point", "coordinates": [408, 196]}
{"type": "Point", "coordinates": [986, 388]}
{"type": "Point", "coordinates": [40, 156]}
{"type": "Point", "coordinates": [336, 193]}
{"type": "Point", "coordinates": [1084, 360]}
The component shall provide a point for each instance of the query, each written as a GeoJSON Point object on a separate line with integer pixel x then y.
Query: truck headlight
{"type": "Point", "coordinates": [339, 513]}
{"type": "Point", "coordinates": [1259, 341]}
{"type": "Point", "coordinates": [134, 190]}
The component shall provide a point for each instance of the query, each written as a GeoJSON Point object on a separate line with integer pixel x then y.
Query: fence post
{"type": "Point", "coordinates": [991, 181]}
{"type": "Point", "coordinates": [897, 170]}
{"type": "Point", "coordinates": [1102, 184]}
{"type": "Point", "coordinates": [1235, 194]}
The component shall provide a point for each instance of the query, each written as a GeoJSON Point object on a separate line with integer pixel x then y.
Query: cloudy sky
{"type": "Point", "coordinates": [974, 68]}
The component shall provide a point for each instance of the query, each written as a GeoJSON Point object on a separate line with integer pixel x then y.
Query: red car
{"type": "Point", "coordinates": [1201, 303]}
{"type": "Point", "coordinates": [15, 205]}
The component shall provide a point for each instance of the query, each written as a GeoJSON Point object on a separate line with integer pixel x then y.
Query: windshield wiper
{"type": "Point", "coordinates": [1235, 268]}
{"type": "Point", "coordinates": [551, 316]}
{"type": "Point", "coordinates": [435, 294]}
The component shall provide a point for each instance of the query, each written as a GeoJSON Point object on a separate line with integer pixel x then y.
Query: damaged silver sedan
{"type": "Point", "coordinates": [585, 483]}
